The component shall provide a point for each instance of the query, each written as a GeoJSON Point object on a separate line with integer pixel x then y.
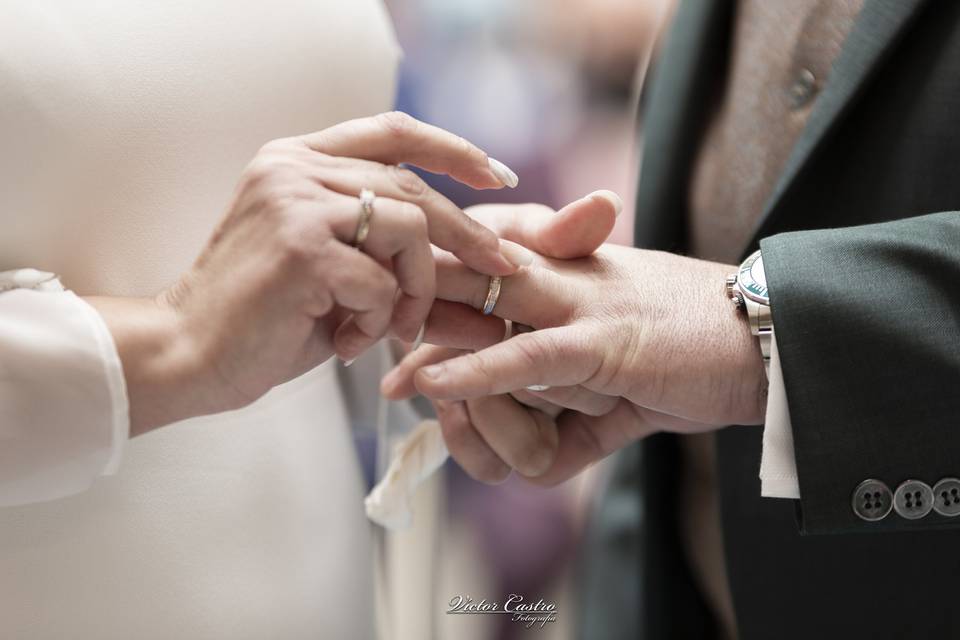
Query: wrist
{"type": "Point", "coordinates": [161, 376]}
{"type": "Point", "coordinates": [745, 357]}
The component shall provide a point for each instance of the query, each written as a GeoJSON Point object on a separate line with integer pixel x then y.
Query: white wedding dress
{"type": "Point", "coordinates": [124, 126]}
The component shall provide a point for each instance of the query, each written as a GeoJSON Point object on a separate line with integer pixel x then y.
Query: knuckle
{"type": "Point", "coordinates": [532, 350]}
{"type": "Point", "coordinates": [456, 422]}
{"type": "Point", "coordinates": [533, 460]}
{"type": "Point", "coordinates": [408, 182]}
{"type": "Point", "coordinates": [296, 246]}
{"type": "Point", "coordinates": [267, 167]}
{"type": "Point", "coordinates": [545, 481]}
{"type": "Point", "coordinates": [593, 407]}
{"type": "Point", "coordinates": [482, 371]}
{"type": "Point", "coordinates": [491, 471]}
{"type": "Point", "coordinates": [413, 218]}
{"type": "Point", "coordinates": [469, 151]}
{"type": "Point", "coordinates": [397, 123]}
{"type": "Point", "coordinates": [388, 284]}
{"type": "Point", "coordinates": [538, 455]}
{"type": "Point", "coordinates": [277, 145]}
{"type": "Point", "coordinates": [277, 202]}
{"type": "Point", "coordinates": [320, 302]}
{"type": "Point", "coordinates": [258, 170]}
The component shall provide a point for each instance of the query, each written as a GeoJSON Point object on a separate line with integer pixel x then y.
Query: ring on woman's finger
{"type": "Point", "coordinates": [493, 294]}
{"type": "Point", "coordinates": [366, 213]}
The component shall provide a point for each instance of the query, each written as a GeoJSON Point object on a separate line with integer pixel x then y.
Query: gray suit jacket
{"type": "Point", "coordinates": [861, 243]}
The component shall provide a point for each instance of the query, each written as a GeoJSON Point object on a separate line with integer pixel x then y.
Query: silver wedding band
{"type": "Point", "coordinates": [366, 213]}
{"type": "Point", "coordinates": [493, 294]}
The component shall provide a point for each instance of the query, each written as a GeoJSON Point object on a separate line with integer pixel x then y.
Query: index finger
{"type": "Point", "coordinates": [555, 357]}
{"type": "Point", "coordinates": [395, 137]}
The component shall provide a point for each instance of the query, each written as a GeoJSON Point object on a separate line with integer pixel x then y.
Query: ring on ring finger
{"type": "Point", "coordinates": [493, 294]}
{"type": "Point", "coordinates": [366, 213]}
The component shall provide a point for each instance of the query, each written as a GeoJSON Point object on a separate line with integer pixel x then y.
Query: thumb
{"type": "Point", "coordinates": [578, 229]}
{"type": "Point", "coordinates": [553, 356]}
{"type": "Point", "coordinates": [575, 231]}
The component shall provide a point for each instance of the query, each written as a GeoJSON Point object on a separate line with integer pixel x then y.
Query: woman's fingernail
{"type": "Point", "coordinates": [610, 197]}
{"type": "Point", "coordinates": [538, 387]}
{"type": "Point", "coordinates": [419, 339]}
{"type": "Point", "coordinates": [349, 362]}
{"type": "Point", "coordinates": [516, 254]}
{"type": "Point", "coordinates": [434, 371]}
{"type": "Point", "coordinates": [503, 173]}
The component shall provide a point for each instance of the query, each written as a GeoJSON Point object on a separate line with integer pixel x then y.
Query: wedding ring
{"type": "Point", "coordinates": [366, 212]}
{"type": "Point", "coordinates": [493, 294]}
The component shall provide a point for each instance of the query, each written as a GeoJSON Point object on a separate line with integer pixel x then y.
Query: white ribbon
{"type": "Point", "coordinates": [415, 458]}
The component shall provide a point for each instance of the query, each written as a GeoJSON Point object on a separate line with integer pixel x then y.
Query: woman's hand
{"type": "Point", "coordinates": [278, 288]}
{"type": "Point", "coordinates": [652, 332]}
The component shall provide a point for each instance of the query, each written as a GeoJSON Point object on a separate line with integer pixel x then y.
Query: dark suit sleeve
{"type": "Point", "coordinates": [868, 328]}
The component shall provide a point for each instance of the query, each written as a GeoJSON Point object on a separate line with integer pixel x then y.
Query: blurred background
{"type": "Point", "coordinates": [549, 88]}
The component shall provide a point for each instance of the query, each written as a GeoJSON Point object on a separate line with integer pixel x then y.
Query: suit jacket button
{"type": "Point", "coordinates": [913, 499]}
{"type": "Point", "coordinates": [946, 497]}
{"type": "Point", "coordinates": [872, 500]}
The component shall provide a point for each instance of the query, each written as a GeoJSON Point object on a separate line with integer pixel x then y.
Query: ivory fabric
{"type": "Point", "coordinates": [778, 464]}
{"type": "Point", "coordinates": [125, 126]}
{"type": "Point", "coordinates": [63, 404]}
{"type": "Point", "coordinates": [417, 456]}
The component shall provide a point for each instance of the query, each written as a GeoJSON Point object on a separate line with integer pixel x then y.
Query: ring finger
{"type": "Point", "coordinates": [448, 226]}
{"type": "Point", "coordinates": [533, 296]}
{"type": "Point", "coordinates": [397, 234]}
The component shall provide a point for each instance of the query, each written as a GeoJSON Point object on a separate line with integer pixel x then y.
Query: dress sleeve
{"type": "Point", "coordinates": [63, 402]}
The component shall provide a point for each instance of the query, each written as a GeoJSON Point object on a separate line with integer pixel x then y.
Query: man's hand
{"type": "Point", "coordinates": [653, 331]}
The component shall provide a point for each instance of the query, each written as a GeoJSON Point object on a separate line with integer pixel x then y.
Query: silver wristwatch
{"type": "Point", "coordinates": [748, 289]}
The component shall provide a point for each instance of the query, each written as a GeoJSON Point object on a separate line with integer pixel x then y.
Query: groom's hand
{"type": "Point", "coordinates": [652, 329]}
{"type": "Point", "coordinates": [574, 231]}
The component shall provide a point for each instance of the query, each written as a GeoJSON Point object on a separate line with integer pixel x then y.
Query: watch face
{"type": "Point", "coordinates": [752, 279]}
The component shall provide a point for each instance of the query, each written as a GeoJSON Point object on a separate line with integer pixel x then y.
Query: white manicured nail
{"type": "Point", "coordinates": [504, 173]}
{"type": "Point", "coordinates": [347, 363]}
{"type": "Point", "coordinates": [419, 339]}
{"type": "Point", "coordinates": [517, 254]}
{"type": "Point", "coordinates": [610, 197]}
{"type": "Point", "coordinates": [538, 387]}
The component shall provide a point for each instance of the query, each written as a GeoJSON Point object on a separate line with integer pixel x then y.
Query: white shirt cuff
{"type": "Point", "coordinates": [63, 402]}
{"type": "Point", "coordinates": [778, 465]}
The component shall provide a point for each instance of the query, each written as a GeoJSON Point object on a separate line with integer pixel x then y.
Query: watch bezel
{"type": "Point", "coordinates": [748, 286]}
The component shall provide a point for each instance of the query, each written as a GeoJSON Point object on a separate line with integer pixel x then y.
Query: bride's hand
{"type": "Point", "coordinates": [279, 287]}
